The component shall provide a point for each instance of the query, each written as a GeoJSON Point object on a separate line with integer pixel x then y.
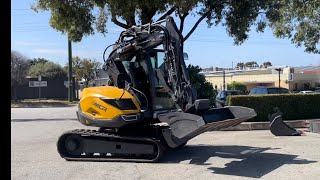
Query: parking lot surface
{"type": "Point", "coordinates": [212, 155]}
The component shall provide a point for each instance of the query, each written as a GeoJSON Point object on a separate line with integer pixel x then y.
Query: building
{"type": "Point", "coordinates": [293, 78]}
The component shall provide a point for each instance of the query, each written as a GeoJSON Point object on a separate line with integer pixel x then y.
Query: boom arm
{"type": "Point", "coordinates": [144, 38]}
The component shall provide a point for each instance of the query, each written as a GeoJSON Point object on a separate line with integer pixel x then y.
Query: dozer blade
{"type": "Point", "coordinates": [185, 126]}
{"type": "Point", "coordinates": [280, 128]}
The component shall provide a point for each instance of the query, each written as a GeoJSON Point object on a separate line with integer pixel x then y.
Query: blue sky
{"type": "Point", "coordinates": [32, 36]}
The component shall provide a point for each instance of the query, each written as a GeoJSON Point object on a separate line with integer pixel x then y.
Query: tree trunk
{"type": "Point", "coordinates": [147, 14]}
{"type": "Point", "coordinates": [131, 21]}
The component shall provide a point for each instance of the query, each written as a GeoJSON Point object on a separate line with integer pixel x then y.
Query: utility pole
{"type": "Point", "coordinates": [70, 87]}
{"type": "Point", "coordinates": [279, 70]}
{"type": "Point", "coordinates": [39, 80]}
{"type": "Point", "coordinates": [224, 80]}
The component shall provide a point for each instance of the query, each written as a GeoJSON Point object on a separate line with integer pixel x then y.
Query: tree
{"type": "Point", "coordinates": [203, 88]}
{"type": "Point", "coordinates": [298, 20]}
{"type": "Point", "coordinates": [84, 69]}
{"type": "Point", "coordinates": [35, 61]}
{"type": "Point", "coordinates": [251, 64]}
{"type": "Point", "coordinates": [19, 68]}
{"type": "Point", "coordinates": [267, 64]}
{"type": "Point", "coordinates": [240, 65]}
{"type": "Point", "coordinates": [48, 70]}
{"type": "Point", "coordinates": [77, 18]}
{"type": "Point", "coordinates": [89, 68]}
{"type": "Point", "coordinates": [76, 68]}
{"type": "Point", "coordinates": [237, 86]}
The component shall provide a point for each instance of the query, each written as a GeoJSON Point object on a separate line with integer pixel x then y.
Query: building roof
{"type": "Point", "coordinates": [307, 69]}
{"type": "Point", "coordinates": [259, 71]}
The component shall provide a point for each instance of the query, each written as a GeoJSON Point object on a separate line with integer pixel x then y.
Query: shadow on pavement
{"type": "Point", "coordinates": [250, 161]}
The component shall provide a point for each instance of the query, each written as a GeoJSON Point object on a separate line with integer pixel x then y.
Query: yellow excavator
{"type": "Point", "coordinates": [149, 105]}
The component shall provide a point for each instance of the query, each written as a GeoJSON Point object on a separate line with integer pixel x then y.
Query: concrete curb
{"type": "Point", "coordinates": [315, 126]}
{"type": "Point", "coordinates": [247, 126]}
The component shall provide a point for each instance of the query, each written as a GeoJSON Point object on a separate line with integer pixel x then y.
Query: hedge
{"type": "Point", "coordinates": [293, 106]}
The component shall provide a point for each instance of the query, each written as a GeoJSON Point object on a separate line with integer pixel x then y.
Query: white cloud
{"type": "Point", "coordinates": [26, 43]}
{"type": "Point", "coordinates": [51, 51]}
{"type": "Point", "coordinates": [82, 53]}
{"type": "Point", "coordinates": [34, 43]}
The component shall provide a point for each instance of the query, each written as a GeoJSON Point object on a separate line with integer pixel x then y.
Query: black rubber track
{"type": "Point", "coordinates": [78, 134]}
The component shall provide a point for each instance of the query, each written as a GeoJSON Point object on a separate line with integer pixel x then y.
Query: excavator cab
{"type": "Point", "coordinates": [141, 79]}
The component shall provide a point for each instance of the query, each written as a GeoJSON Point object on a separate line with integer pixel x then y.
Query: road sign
{"type": "Point", "coordinates": [66, 84]}
{"type": "Point", "coordinates": [38, 84]}
{"type": "Point", "coordinates": [290, 77]}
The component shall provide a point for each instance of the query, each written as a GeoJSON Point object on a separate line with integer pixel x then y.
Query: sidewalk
{"type": "Point", "coordinates": [61, 108]}
{"type": "Point", "coordinates": [43, 103]}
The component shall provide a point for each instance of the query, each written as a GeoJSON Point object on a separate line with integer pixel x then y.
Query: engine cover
{"type": "Point", "coordinates": [107, 106]}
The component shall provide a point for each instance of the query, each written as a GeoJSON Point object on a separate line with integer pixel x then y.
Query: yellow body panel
{"type": "Point", "coordinates": [93, 106]}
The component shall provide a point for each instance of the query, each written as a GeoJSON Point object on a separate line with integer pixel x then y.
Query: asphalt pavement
{"type": "Point", "coordinates": [212, 155]}
{"type": "Point", "coordinates": [34, 114]}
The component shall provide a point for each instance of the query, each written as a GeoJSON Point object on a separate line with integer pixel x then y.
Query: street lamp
{"type": "Point", "coordinates": [279, 70]}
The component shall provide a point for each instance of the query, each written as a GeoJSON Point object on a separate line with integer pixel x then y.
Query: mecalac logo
{"type": "Point", "coordinates": [100, 106]}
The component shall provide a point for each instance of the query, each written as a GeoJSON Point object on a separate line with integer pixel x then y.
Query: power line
{"type": "Point", "coordinates": [43, 29]}
{"type": "Point", "coordinates": [41, 26]}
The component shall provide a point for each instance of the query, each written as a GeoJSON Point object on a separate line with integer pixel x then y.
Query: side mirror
{"type": "Point", "coordinates": [185, 56]}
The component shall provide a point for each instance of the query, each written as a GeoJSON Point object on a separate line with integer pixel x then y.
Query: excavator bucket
{"type": "Point", "coordinates": [184, 126]}
{"type": "Point", "coordinates": [280, 128]}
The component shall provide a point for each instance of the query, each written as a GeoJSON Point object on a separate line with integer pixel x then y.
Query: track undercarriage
{"type": "Point", "coordinates": [93, 145]}
{"type": "Point", "coordinates": [146, 143]}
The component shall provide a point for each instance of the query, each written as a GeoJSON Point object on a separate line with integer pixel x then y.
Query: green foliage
{"type": "Point", "coordinates": [240, 65]}
{"type": "Point", "coordinates": [293, 106]}
{"type": "Point", "coordinates": [267, 64]}
{"type": "Point", "coordinates": [48, 70]}
{"type": "Point", "coordinates": [84, 68]}
{"type": "Point", "coordinates": [237, 86]}
{"type": "Point", "coordinates": [35, 61]}
{"type": "Point", "coordinates": [298, 20]}
{"type": "Point", "coordinates": [19, 68]}
{"type": "Point", "coordinates": [202, 86]}
{"type": "Point", "coordinates": [251, 64]}
{"type": "Point", "coordinates": [294, 19]}
{"type": "Point", "coordinates": [73, 18]}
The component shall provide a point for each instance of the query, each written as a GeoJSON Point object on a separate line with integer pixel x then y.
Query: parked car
{"type": "Point", "coordinates": [317, 90]}
{"type": "Point", "coordinates": [221, 99]}
{"type": "Point", "coordinates": [305, 92]}
{"type": "Point", "coordinates": [268, 90]}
